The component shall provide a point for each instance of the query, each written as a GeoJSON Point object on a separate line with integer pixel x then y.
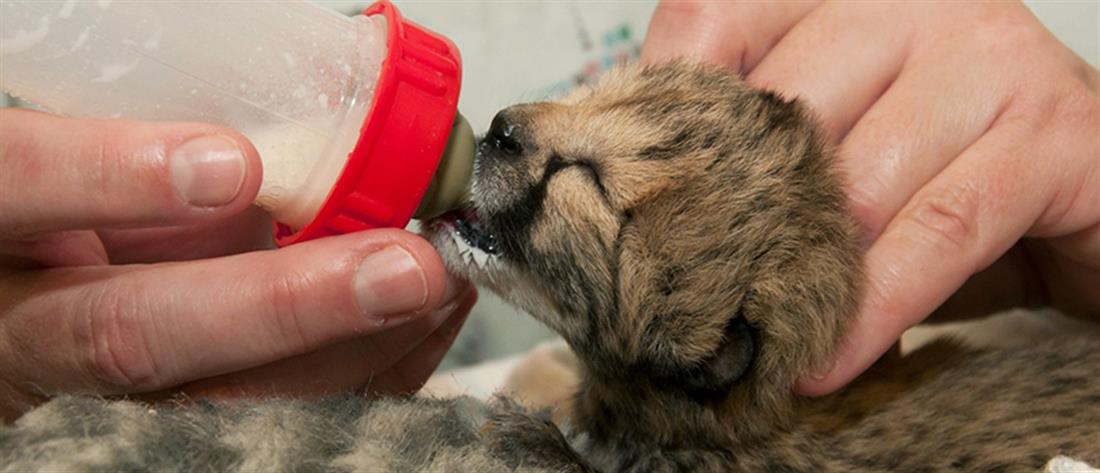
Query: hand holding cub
{"type": "Point", "coordinates": [969, 137]}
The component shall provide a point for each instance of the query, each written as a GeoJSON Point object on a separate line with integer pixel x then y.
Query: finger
{"type": "Point", "coordinates": [247, 231]}
{"type": "Point", "coordinates": [1060, 267]}
{"type": "Point", "coordinates": [1010, 282]}
{"type": "Point", "coordinates": [346, 366]}
{"type": "Point", "coordinates": [69, 248]}
{"type": "Point", "coordinates": [957, 225]}
{"type": "Point", "coordinates": [906, 138]}
{"type": "Point", "coordinates": [827, 61]}
{"type": "Point", "coordinates": [412, 371]}
{"type": "Point", "coordinates": [1074, 292]}
{"type": "Point", "coordinates": [142, 328]}
{"type": "Point", "coordinates": [64, 173]}
{"type": "Point", "coordinates": [734, 35]}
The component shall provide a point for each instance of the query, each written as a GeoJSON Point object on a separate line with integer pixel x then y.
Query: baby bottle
{"type": "Point", "coordinates": [355, 118]}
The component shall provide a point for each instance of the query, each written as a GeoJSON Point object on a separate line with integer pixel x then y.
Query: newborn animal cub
{"type": "Point", "coordinates": [687, 236]}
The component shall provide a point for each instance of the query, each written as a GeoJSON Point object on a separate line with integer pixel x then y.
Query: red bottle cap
{"type": "Point", "coordinates": [402, 139]}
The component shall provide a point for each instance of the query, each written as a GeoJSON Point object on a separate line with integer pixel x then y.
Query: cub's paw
{"type": "Point", "coordinates": [528, 439]}
{"type": "Point", "coordinates": [546, 378]}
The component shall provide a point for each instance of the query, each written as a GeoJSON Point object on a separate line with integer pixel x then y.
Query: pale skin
{"type": "Point", "coordinates": [126, 271]}
{"type": "Point", "coordinates": [969, 138]}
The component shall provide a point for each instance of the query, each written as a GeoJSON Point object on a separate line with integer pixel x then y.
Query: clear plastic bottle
{"type": "Point", "coordinates": [296, 78]}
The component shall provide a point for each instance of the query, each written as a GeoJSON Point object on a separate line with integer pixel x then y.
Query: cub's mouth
{"type": "Point", "coordinates": [463, 238]}
{"type": "Point", "coordinates": [468, 225]}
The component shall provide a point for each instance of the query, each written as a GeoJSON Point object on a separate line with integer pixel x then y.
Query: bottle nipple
{"type": "Point", "coordinates": [450, 186]}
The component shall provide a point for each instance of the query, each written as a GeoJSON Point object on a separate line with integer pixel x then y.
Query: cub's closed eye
{"type": "Point", "coordinates": [593, 172]}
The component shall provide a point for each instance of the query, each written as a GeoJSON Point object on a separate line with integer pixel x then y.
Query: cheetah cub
{"type": "Point", "coordinates": [687, 236]}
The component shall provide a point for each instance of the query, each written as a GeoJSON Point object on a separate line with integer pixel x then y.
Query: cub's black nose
{"type": "Point", "coordinates": [506, 134]}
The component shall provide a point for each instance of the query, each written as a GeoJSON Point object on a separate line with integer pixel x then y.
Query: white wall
{"type": "Point", "coordinates": [1075, 22]}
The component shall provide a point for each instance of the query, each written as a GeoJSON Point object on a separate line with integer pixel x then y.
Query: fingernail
{"type": "Point", "coordinates": [390, 281]}
{"type": "Point", "coordinates": [207, 171]}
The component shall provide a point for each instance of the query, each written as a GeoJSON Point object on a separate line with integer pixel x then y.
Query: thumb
{"type": "Point", "coordinates": [68, 174]}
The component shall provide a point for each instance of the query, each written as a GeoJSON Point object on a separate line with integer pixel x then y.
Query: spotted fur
{"type": "Point", "coordinates": [687, 236]}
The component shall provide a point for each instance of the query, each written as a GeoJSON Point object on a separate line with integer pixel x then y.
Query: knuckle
{"type": "Point", "coordinates": [948, 218]}
{"type": "Point", "coordinates": [119, 353]}
{"type": "Point", "coordinates": [1069, 145]}
{"type": "Point", "coordinates": [870, 218]}
{"type": "Point", "coordinates": [113, 161]}
{"type": "Point", "coordinates": [23, 170]}
{"type": "Point", "coordinates": [105, 168]}
{"type": "Point", "coordinates": [97, 175]}
{"type": "Point", "coordinates": [1007, 31]}
{"type": "Point", "coordinates": [1077, 106]}
{"type": "Point", "coordinates": [713, 34]}
{"type": "Point", "coordinates": [288, 311]}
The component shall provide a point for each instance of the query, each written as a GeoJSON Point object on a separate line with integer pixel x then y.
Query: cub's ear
{"type": "Point", "coordinates": [715, 375]}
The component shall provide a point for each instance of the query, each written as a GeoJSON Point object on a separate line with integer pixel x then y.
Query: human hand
{"type": "Point", "coordinates": [127, 266]}
{"type": "Point", "coordinates": [968, 135]}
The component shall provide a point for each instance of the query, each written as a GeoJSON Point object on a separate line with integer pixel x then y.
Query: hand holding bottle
{"type": "Point", "coordinates": [132, 262]}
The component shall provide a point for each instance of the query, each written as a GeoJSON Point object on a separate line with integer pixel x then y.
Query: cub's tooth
{"type": "Point", "coordinates": [460, 243]}
{"type": "Point", "coordinates": [481, 257]}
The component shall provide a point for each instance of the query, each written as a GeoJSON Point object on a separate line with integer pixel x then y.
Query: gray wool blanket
{"type": "Point", "coordinates": [348, 434]}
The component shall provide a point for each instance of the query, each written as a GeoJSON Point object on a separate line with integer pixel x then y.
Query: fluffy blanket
{"type": "Point", "coordinates": [348, 434]}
